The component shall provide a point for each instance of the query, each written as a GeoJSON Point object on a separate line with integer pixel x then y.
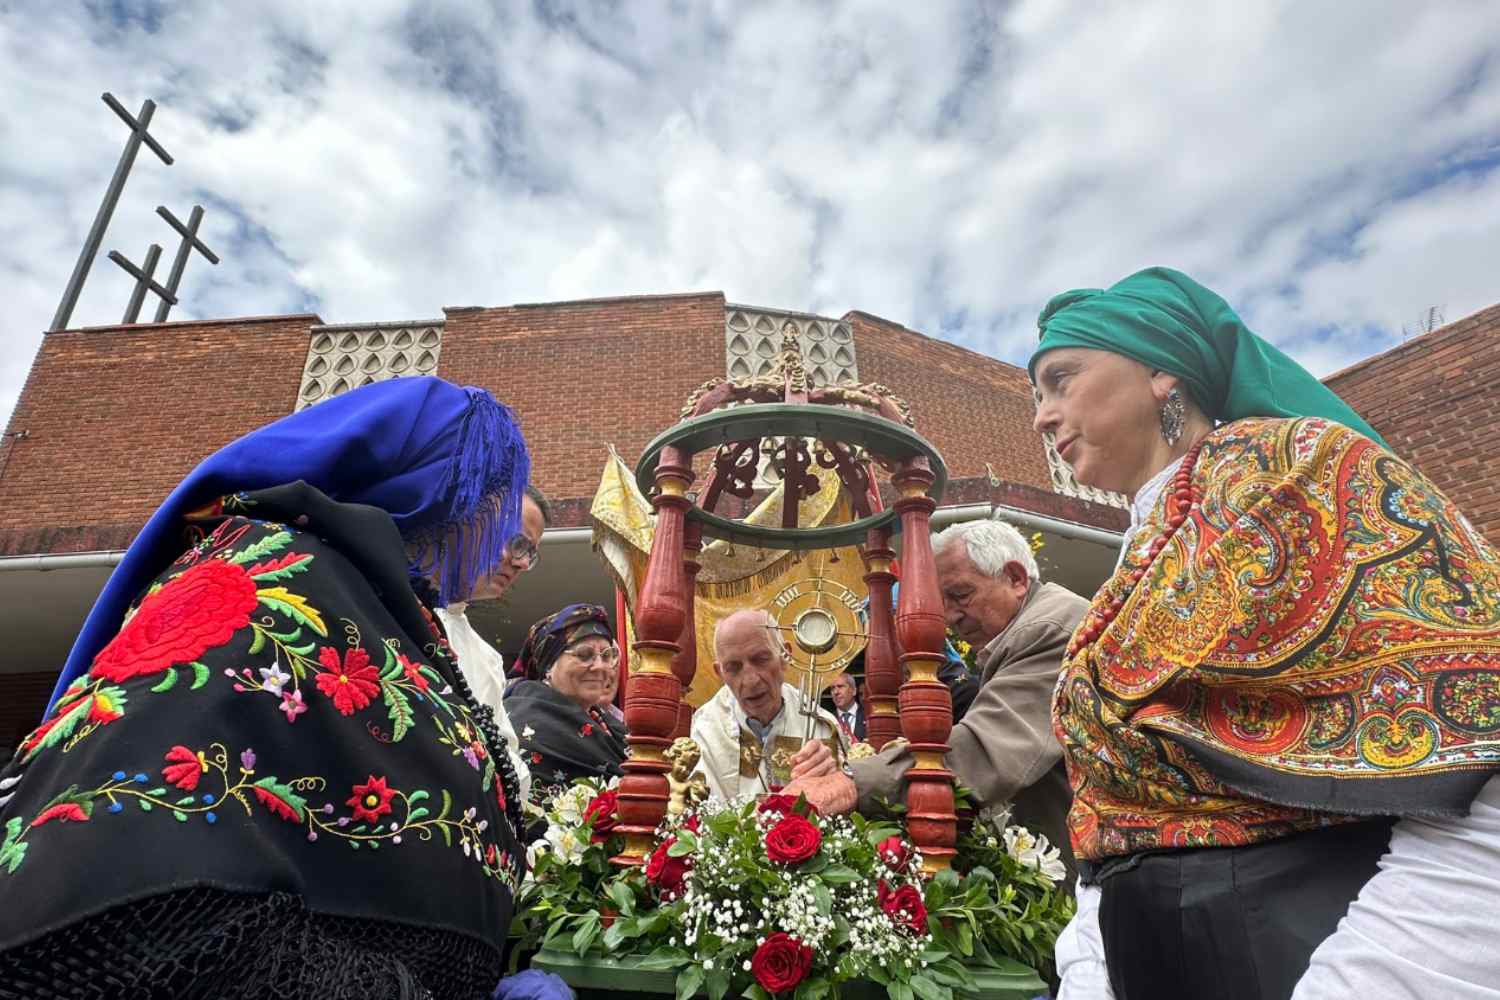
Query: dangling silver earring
{"type": "Point", "coordinates": [1173, 416]}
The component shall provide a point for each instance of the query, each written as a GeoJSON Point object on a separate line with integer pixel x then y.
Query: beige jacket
{"type": "Point", "coordinates": [1003, 748]}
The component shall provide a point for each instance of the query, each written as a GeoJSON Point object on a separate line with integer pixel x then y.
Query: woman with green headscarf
{"type": "Point", "coordinates": [1299, 646]}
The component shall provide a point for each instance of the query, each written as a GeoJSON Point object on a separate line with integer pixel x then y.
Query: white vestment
{"type": "Point", "coordinates": [484, 670]}
{"type": "Point", "coordinates": [736, 760]}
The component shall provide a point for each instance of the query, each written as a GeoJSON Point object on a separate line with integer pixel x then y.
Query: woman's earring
{"type": "Point", "coordinates": [1173, 416]}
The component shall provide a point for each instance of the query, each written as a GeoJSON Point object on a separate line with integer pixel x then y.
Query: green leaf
{"type": "Point", "coordinates": [12, 851]}
{"type": "Point", "coordinates": [179, 815]}
{"type": "Point", "coordinates": [622, 897]}
{"type": "Point", "coordinates": [900, 991]}
{"type": "Point", "coordinates": [187, 800]}
{"type": "Point", "coordinates": [416, 814]}
{"type": "Point", "coordinates": [145, 806]}
{"type": "Point", "coordinates": [296, 803]}
{"type": "Point", "coordinates": [929, 990]}
{"type": "Point", "coordinates": [839, 875]}
{"type": "Point", "coordinates": [586, 934]}
{"type": "Point", "coordinates": [200, 675]}
{"type": "Point", "coordinates": [823, 897]}
{"type": "Point", "coordinates": [64, 726]}
{"type": "Point", "coordinates": [688, 981]}
{"type": "Point", "coordinates": [298, 565]}
{"type": "Point", "coordinates": [679, 849]}
{"type": "Point", "coordinates": [756, 992]}
{"type": "Point", "coordinates": [418, 796]}
{"type": "Point", "coordinates": [399, 709]}
{"type": "Point", "coordinates": [258, 642]}
{"type": "Point", "coordinates": [293, 605]}
{"type": "Point", "coordinates": [266, 546]}
{"type": "Point", "coordinates": [718, 983]}
{"type": "Point", "coordinates": [168, 681]}
{"type": "Point", "coordinates": [965, 938]}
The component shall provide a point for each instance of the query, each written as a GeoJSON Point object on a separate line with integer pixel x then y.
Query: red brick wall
{"type": "Point", "coordinates": [1436, 401]}
{"type": "Point", "coordinates": [114, 417]}
{"type": "Point", "coordinates": [582, 375]}
{"type": "Point", "coordinates": [975, 409]}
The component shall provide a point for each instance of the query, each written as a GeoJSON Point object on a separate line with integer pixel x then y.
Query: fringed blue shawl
{"type": "Point", "coordinates": [447, 463]}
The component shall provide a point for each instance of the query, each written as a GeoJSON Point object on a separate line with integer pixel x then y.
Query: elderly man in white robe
{"type": "Point", "coordinates": [751, 733]}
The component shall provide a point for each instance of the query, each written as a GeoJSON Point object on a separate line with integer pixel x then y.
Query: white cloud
{"type": "Point", "coordinates": [1332, 169]}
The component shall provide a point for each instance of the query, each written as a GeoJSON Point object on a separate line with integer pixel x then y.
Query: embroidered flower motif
{"type": "Point", "coordinates": [371, 800]}
{"type": "Point", "coordinates": [247, 760]}
{"type": "Point", "coordinates": [67, 812]}
{"type": "Point", "coordinates": [587, 730]}
{"type": "Point", "coordinates": [527, 733]}
{"type": "Point", "coordinates": [292, 704]}
{"type": "Point", "coordinates": [273, 678]}
{"type": "Point", "coordinates": [536, 758]}
{"type": "Point", "coordinates": [351, 684]}
{"type": "Point", "coordinates": [471, 756]}
{"type": "Point", "coordinates": [186, 768]}
{"type": "Point", "coordinates": [191, 614]}
{"type": "Point", "coordinates": [413, 673]}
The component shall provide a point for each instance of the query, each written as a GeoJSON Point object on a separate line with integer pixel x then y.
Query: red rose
{"type": "Point", "coordinates": [186, 768]}
{"type": "Point", "coordinates": [693, 823]}
{"type": "Point", "coordinates": [786, 805]}
{"type": "Point", "coordinates": [792, 840]}
{"type": "Point", "coordinates": [371, 800]}
{"type": "Point", "coordinates": [191, 614]}
{"type": "Point", "coordinates": [781, 963]}
{"type": "Point", "coordinates": [895, 852]}
{"type": "Point", "coordinates": [350, 684]}
{"type": "Point", "coordinates": [665, 872]}
{"type": "Point", "coordinates": [601, 812]}
{"type": "Point", "coordinates": [905, 908]}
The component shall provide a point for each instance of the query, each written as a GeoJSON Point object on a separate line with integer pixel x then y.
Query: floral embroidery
{"type": "Point", "coordinates": [351, 684]}
{"type": "Point", "coordinates": [587, 729]}
{"type": "Point", "coordinates": [191, 614]}
{"type": "Point", "coordinates": [413, 673]}
{"type": "Point", "coordinates": [380, 814]}
{"type": "Point", "coordinates": [186, 768]}
{"type": "Point", "coordinates": [293, 705]}
{"type": "Point", "coordinates": [371, 800]}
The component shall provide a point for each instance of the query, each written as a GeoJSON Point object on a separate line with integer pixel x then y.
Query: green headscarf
{"type": "Point", "coordinates": [1169, 322]}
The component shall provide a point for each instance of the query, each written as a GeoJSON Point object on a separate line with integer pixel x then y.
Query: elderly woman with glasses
{"type": "Point", "coordinates": [1281, 714]}
{"type": "Point", "coordinates": [568, 664]}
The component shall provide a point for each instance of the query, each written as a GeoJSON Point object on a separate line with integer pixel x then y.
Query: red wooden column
{"type": "Point", "coordinates": [882, 671]}
{"type": "Point", "coordinates": [926, 706]}
{"type": "Point", "coordinates": [685, 663]}
{"type": "Point", "coordinates": [654, 693]}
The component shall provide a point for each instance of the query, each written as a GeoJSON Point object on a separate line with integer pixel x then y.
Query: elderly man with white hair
{"type": "Point", "coordinates": [751, 732]}
{"type": "Point", "coordinates": [1003, 748]}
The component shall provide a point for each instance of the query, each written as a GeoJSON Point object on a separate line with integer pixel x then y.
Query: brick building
{"type": "Point", "coordinates": [111, 418]}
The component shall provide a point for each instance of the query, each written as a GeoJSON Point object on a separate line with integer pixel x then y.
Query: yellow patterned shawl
{"type": "Point", "coordinates": [1319, 641]}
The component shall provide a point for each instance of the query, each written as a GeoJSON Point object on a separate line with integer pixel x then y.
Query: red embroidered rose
{"type": "Point", "coordinates": [895, 852]}
{"type": "Point", "coordinates": [792, 840]}
{"type": "Point", "coordinates": [413, 673]}
{"type": "Point", "coordinates": [351, 684]}
{"type": "Point", "coordinates": [665, 872]}
{"type": "Point", "coordinates": [186, 767]}
{"type": "Point", "coordinates": [781, 962]}
{"type": "Point", "coordinates": [587, 729]}
{"type": "Point", "coordinates": [371, 800]}
{"type": "Point", "coordinates": [191, 614]}
{"type": "Point", "coordinates": [67, 812]}
{"type": "Point", "coordinates": [904, 906]}
{"type": "Point", "coordinates": [786, 805]}
{"type": "Point", "coordinates": [601, 811]}
{"type": "Point", "coordinates": [536, 758]}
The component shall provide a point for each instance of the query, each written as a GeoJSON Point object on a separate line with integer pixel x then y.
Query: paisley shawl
{"type": "Point", "coordinates": [1318, 642]}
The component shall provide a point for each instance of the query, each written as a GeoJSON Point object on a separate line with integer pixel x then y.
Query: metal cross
{"type": "Point", "coordinates": [190, 242]}
{"type": "Point", "coordinates": [143, 281]}
{"type": "Point", "coordinates": [138, 135]}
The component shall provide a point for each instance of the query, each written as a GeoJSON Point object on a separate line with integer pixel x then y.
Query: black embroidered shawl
{"type": "Point", "coordinates": [560, 742]}
{"type": "Point", "coordinates": [279, 721]}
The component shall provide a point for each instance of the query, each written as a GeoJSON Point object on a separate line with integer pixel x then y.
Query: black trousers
{"type": "Point", "coordinates": [1231, 923]}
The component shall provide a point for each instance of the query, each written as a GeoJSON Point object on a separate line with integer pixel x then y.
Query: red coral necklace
{"type": "Point", "coordinates": [1179, 502]}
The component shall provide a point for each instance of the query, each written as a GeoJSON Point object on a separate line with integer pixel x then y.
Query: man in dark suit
{"type": "Point", "coordinates": [846, 708]}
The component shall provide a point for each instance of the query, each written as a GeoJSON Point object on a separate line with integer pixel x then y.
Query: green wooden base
{"type": "Point", "coordinates": [596, 975]}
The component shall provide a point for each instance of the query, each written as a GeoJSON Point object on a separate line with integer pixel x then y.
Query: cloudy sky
{"type": "Point", "coordinates": [1332, 168]}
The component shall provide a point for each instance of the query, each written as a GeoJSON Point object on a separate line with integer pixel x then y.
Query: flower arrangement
{"type": "Point", "coordinates": [768, 899]}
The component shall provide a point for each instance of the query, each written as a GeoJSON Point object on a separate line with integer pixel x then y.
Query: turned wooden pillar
{"type": "Point", "coordinates": [654, 693]}
{"type": "Point", "coordinates": [882, 670]}
{"type": "Point", "coordinates": [926, 705]}
{"type": "Point", "coordinates": [685, 662]}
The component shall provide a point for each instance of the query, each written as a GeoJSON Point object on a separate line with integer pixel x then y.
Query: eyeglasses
{"type": "Point", "coordinates": [610, 655]}
{"type": "Point", "coordinates": [522, 551]}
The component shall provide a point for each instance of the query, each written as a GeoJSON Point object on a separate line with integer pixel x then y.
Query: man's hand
{"type": "Point", "coordinates": [814, 760]}
{"type": "Point", "coordinates": [831, 795]}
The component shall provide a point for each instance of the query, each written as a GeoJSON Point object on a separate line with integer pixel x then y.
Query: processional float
{"type": "Point", "coordinates": [853, 431]}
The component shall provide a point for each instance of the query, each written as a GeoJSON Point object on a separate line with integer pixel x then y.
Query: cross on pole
{"type": "Point", "coordinates": [190, 242]}
{"type": "Point", "coordinates": [138, 135]}
{"type": "Point", "coordinates": [143, 281]}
